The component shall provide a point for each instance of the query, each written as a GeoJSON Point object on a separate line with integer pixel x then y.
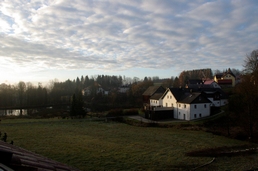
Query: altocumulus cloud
{"type": "Point", "coordinates": [119, 35]}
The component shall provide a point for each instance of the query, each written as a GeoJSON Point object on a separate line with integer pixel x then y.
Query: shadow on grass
{"type": "Point", "coordinates": [224, 151]}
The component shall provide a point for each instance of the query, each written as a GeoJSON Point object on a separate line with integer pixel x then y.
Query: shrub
{"type": "Point", "coordinates": [115, 112]}
{"type": "Point", "coordinates": [131, 112]}
{"type": "Point", "coordinates": [241, 136]}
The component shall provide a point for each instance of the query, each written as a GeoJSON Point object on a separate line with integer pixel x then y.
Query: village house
{"type": "Point", "coordinates": [184, 103]}
{"type": "Point", "coordinates": [149, 93]}
{"type": "Point", "coordinates": [198, 83]}
{"type": "Point", "coordinates": [226, 79]}
{"type": "Point", "coordinates": [123, 89]}
{"type": "Point", "coordinates": [193, 106]}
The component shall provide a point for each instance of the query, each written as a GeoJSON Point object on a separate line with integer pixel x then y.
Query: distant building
{"type": "Point", "coordinates": [123, 89]}
{"type": "Point", "coordinates": [226, 79]}
{"type": "Point", "coordinates": [97, 88]}
{"type": "Point", "coordinates": [197, 83]}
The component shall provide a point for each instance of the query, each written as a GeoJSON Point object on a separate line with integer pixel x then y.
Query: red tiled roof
{"type": "Point", "coordinates": [16, 158]}
{"type": "Point", "coordinates": [208, 82]}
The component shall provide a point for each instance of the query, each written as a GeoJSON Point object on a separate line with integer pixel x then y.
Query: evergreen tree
{"type": "Point", "coordinates": [73, 111]}
{"type": "Point", "coordinates": [77, 105]}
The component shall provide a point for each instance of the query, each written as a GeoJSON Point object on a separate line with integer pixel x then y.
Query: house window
{"type": "Point", "coordinates": [170, 97]}
{"type": "Point", "coordinates": [205, 106]}
{"type": "Point", "coordinates": [184, 106]}
{"type": "Point", "coordinates": [171, 104]}
{"type": "Point", "coordinates": [194, 115]}
{"type": "Point", "coordinates": [167, 96]}
{"type": "Point", "coordinates": [195, 106]}
{"type": "Point", "coordinates": [200, 115]}
{"type": "Point", "coordinates": [166, 104]}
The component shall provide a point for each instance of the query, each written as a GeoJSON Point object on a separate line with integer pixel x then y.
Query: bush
{"type": "Point", "coordinates": [131, 112]}
{"type": "Point", "coordinates": [241, 136]}
{"type": "Point", "coordinates": [115, 113]}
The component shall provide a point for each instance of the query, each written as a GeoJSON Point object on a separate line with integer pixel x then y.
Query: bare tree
{"type": "Point", "coordinates": [243, 104]}
{"type": "Point", "coordinates": [251, 62]}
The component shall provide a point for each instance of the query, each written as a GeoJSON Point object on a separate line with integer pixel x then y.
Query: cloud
{"type": "Point", "coordinates": [119, 35]}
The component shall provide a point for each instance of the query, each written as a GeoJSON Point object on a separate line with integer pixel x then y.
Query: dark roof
{"type": "Point", "coordinates": [154, 89]}
{"type": "Point", "coordinates": [156, 96]}
{"type": "Point", "coordinates": [181, 93]}
{"type": "Point", "coordinates": [178, 93]}
{"type": "Point", "coordinates": [195, 81]}
{"type": "Point", "coordinates": [220, 75]}
{"type": "Point", "coordinates": [16, 158]}
{"type": "Point", "coordinates": [198, 86]}
{"type": "Point", "coordinates": [229, 72]}
{"type": "Point", "coordinates": [209, 92]}
{"type": "Point", "coordinates": [195, 98]}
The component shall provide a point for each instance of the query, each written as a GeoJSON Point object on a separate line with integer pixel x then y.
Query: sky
{"type": "Point", "coordinates": [43, 40]}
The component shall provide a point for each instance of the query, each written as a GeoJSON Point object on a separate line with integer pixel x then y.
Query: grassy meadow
{"type": "Point", "coordinates": [99, 145]}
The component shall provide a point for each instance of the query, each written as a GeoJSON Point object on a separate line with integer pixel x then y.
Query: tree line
{"type": "Point", "coordinates": [56, 92]}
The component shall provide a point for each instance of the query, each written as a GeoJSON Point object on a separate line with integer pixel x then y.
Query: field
{"type": "Point", "coordinates": [99, 145]}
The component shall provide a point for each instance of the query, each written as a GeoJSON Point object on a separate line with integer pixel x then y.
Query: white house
{"type": "Point", "coordinates": [183, 103]}
{"type": "Point", "coordinates": [193, 106]}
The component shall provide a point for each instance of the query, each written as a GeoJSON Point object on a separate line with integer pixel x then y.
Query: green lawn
{"type": "Point", "coordinates": [97, 145]}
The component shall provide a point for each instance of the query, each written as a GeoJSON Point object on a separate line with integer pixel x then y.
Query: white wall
{"type": "Point", "coordinates": [201, 110]}
{"type": "Point", "coordinates": [183, 111]}
{"type": "Point", "coordinates": [154, 102]}
{"type": "Point", "coordinates": [189, 111]}
{"type": "Point", "coordinates": [169, 100]}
